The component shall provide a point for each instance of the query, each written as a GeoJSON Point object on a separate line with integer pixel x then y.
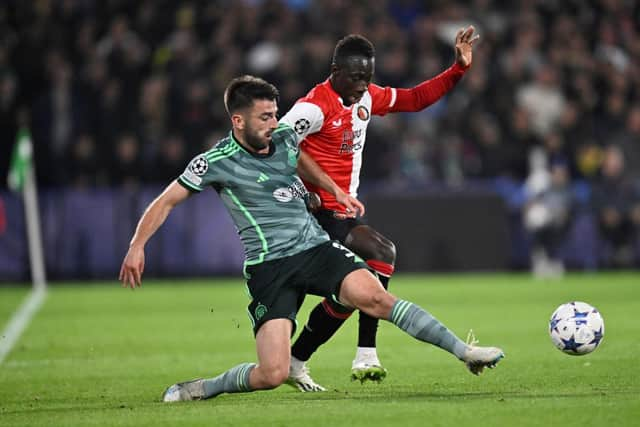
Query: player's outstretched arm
{"type": "Point", "coordinates": [430, 91]}
{"type": "Point", "coordinates": [152, 218]}
{"type": "Point", "coordinates": [311, 172]}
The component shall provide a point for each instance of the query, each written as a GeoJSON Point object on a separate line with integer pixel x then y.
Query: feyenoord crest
{"type": "Point", "coordinates": [199, 165]}
{"type": "Point", "coordinates": [363, 113]}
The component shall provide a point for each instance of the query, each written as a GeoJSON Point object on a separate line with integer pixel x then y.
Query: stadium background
{"type": "Point", "coordinates": [119, 95]}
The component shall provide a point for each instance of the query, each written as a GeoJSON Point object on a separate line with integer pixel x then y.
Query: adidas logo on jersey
{"type": "Point", "coordinates": [262, 178]}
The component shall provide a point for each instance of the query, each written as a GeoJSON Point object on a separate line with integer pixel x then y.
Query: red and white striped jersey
{"type": "Point", "coordinates": [334, 135]}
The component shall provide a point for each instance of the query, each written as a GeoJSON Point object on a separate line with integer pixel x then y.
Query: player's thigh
{"type": "Point", "coordinates": [362, 290]}
{"type": "Point", "coordinates": [370, 244]}
{"type": "Point", "coordinates": [273, 342]}
{"type": "Point", "coordinates": [273, 293]}
{"type": "Point", "coordinates": [325, 270]}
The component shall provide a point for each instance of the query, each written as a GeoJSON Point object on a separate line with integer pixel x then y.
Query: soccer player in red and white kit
{"type": "Point", "coordinates": [332, 118]}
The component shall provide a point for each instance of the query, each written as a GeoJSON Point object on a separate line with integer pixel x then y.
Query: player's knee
{"type": "Point", "coordinates": [386, 251]}
{"type": "Point", "coordinates": [377, 304]}
{"type": "Point", "coordinates": [275, 376]}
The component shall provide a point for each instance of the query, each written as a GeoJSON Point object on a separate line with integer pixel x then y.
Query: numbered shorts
{"type": "Point", "coordinates": [278, 287]}
{"type": "Point", "coordinates": [338, 229]}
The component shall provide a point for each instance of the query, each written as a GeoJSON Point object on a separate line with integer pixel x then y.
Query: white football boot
{"type": "Point", "coordinates": [189, 390]}
{"type": "Point", "coordinates": [477, 358]}
{"type": "Point", "coordinates": [299, 377]}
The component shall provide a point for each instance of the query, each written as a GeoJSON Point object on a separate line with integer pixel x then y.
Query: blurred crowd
{"type": "Point", "coordinates": [124, 93]}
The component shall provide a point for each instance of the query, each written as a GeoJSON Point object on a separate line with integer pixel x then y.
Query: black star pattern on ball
{"type": "Point", "coordinates": [597, 337]}
{"type": "Point", "coordinates": [571, 345]}
{"type": "Point", "coordinates": [554, 322]}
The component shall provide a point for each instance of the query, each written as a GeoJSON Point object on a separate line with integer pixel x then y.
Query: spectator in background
{"type": "Point", "coordinates": [628, 139]}
{"type": "Point", "coordinates": [126, 165]}
{"type": "Point", "coordinates": [58, 118]}
{"type": "Point", "coordinates": [617, 205]}
{"type": "Point", "coordinates": [543, 99]}
{"type": "Point", "coordinates": [547, 71]}
{"type": "Point", "coordinates": [86, 168]}
{"type": "Point", "coordinates": [547, 213]}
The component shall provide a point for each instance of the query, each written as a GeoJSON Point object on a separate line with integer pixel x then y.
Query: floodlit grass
{"type": "Point", "coordinates": [10, 298]}
{"type": "Point", "coordinates": [100, 355]}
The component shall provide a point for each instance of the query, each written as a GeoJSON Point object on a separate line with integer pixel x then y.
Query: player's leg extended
{"type": "Point", "coordinates": [380, 254]}
{"type": "Point", "coordinates": [272, 345]}
{"type": "Point", "coordinates": [325, 319]}
{"type": "Point", "coordinates": [361, 290]}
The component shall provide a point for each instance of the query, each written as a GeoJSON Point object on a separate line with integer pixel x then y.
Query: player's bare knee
{"type": "Point", "coordinates": [275, 376]}
{"type": "Point", "coordinates": [386, 251]}
{"type": "Point", "coordinates": [378, 303]}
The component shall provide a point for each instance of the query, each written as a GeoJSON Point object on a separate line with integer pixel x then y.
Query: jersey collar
{"type": "Point", "coordinates": [272, 147]}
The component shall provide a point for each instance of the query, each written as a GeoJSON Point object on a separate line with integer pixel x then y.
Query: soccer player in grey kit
{"type": "Point", "coordinates": [288, 255]}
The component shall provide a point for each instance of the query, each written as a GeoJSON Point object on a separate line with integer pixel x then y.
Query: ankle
{"type": "Point", "coordinates": [296, 364]}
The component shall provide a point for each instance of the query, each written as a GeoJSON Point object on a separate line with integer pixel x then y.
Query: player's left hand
{"type": "Point", "coordinates": [132, 268]}
{"type": "Point", "coordinates": [464, 46]}
{"type": "Point", "coordinates": [354, 207]}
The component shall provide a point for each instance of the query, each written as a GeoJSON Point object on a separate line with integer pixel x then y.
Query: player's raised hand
{"type": "Point", "coordinates": [464, 46]}
{"type": "Point", "coordinates": [132, 268]}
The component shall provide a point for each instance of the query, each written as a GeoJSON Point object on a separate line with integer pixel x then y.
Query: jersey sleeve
{"type": "Point", "coordinates": [304, 118]}
{"type": "Point", "coordinates": [198, 175]}
{"type": "Point", "coordinates": [382, 99]}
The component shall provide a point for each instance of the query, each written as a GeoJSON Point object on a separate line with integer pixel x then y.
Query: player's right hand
{"type": "Point", "coordinates": [132, 268]}
{"type": "Point", "coordinates": [353, 206]}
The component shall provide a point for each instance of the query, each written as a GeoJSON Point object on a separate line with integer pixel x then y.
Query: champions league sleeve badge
{"type": "Point", "coordinates": [199, 165]}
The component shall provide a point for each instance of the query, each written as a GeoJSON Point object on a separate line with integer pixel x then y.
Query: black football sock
{"type": "Point", "coordinates": [368, 326]}
{"type": "Point", "coordinates": [323, 322]}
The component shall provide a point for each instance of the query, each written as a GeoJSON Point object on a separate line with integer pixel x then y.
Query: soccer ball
{"type": "Point", "coordinates": [576, 328]}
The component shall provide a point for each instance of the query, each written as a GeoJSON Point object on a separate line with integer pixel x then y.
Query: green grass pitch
{"type": "Point", "coordinates": [100, 355]}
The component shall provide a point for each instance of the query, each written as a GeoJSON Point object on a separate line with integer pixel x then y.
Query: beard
{"type": "Point", "coordinates": [255, 141]}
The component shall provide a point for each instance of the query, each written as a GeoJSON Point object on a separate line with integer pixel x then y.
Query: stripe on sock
{"type": "Point", "coordinates": [243, 377]}
{"type": "Point", "coordinates": [331, 312]}
{"type": "Point", "coordinates": [399, 310]}
{"type": "Point", "coordinates": [381, 267]}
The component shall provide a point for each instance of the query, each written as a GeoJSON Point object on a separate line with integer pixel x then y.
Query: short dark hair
{"type": "Point", "coordinates": [242, 91]}
{"type": "Point", "coordinates": [353, 45]}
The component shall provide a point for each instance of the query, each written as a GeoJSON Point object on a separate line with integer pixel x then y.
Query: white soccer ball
{"type": "Point", "coordinates": [576, 328]}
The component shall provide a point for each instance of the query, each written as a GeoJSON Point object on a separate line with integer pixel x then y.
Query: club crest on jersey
{"type": "Point", "coordinates": [297, 190]}
{"type": "Point", "coordinates": [363, 113]}
{"type": "Point", "coordinates": [301, 126]}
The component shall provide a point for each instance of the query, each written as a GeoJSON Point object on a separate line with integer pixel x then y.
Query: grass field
{"type": "Point", "coordinates": [100, 355]}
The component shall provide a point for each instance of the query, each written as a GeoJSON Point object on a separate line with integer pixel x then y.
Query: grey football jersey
{"type": "Point", "coordinates": [263, 194]}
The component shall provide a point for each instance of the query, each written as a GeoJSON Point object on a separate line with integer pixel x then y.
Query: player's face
{"type": "Point", "coordinates": [259, 123]}
{"type": "Point", "coordinates": [351, 78]}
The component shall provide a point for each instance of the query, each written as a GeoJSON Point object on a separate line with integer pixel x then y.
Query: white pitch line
{"type": "Point", "coordinates": [20, 320]}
